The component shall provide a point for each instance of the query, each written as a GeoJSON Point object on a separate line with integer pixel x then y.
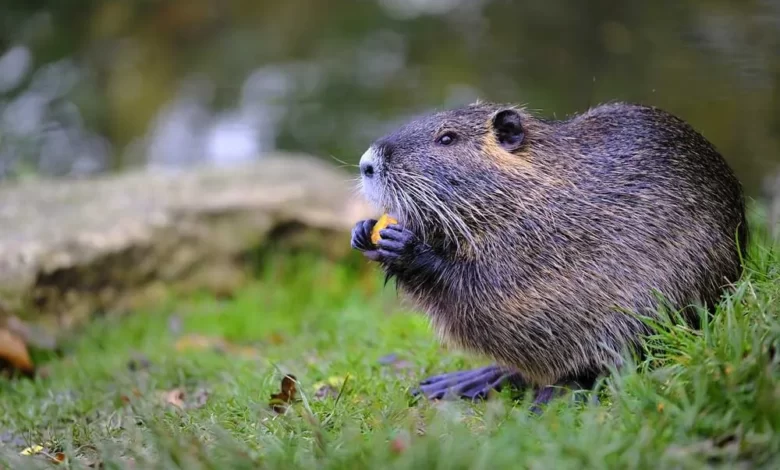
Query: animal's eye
{"type": "Point", "coordinates": [446, 139]}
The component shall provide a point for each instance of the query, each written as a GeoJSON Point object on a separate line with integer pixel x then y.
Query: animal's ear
{"type": "Point", "coordinates": [508, 129]}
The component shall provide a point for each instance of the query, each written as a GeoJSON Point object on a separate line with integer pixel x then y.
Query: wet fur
{"type": "Point", "coordinates": [533, 257]}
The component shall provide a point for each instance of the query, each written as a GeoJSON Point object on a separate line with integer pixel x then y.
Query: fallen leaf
{"type": "Point", "coordinates": [175, 397]}
{"type": "Point", "coordinates": [280, 401]}
{"type": "Point", "coordinates": [14, 354]}
{"type": "Point", "coordinates": [660, 407]}
{"type": "Point", "coordinates": [180, 399]}
{"type": "Point", "coordinates": [32, 450]}
{"type": "Point", "coordinates": [54, 457]}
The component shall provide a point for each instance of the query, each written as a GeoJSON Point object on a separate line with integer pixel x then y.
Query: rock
{"type": "Point", "coordinates": [70, 248]}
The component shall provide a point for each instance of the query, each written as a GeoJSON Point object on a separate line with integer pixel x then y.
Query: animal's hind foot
{"type": "Point", "coordinates": [473, 384]}
{"type": "Point", "coordinates": [476, 384]}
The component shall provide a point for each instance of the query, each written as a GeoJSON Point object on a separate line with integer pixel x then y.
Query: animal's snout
{"type": "Point", "coordinates": [367, 164]}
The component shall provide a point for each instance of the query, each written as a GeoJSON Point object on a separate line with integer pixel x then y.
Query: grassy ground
{"type": "Point", "coordinates": [147, 392]}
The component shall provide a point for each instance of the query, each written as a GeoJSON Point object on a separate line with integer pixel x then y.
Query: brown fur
{"type": "Point", "coordinates": [545, 248]}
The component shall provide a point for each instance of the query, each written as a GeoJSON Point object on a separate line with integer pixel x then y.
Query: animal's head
{"type": "Point", "coordinates": [444, 170]}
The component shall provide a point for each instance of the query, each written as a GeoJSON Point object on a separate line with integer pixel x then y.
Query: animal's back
{"type": "Point", "coordinates": [671, 189]}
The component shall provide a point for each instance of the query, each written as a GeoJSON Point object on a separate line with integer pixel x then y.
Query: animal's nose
{"type": "Point", "coordinates": [367, 164]}
{"type": "Point", "coordinates": [367, 169]}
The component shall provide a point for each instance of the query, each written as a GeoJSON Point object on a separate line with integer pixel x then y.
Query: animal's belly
{"type": "Point", "coordinates": [544, 346]}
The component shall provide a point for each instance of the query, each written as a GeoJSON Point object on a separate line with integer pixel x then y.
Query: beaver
{"type": "Point", "coordinates": [540, 243]}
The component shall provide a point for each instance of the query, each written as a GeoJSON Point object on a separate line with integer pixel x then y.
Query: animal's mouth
{"type": "Point", "coordinates": [376, 199]}
{"type": "Point", "coordinates": [376, 195]}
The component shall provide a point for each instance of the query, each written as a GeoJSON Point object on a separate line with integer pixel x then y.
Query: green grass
{"type": "Point", "coordinates": [700, 400]}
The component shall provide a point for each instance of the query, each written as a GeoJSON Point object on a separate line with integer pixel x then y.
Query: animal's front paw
{"type": "Point", "coordinates": [361, 235]}
{"type": "Point", "coordinates": [395, 243]}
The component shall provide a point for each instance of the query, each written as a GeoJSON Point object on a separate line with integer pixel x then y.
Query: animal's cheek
{"type": "Point", "coordinates": [413, 164]}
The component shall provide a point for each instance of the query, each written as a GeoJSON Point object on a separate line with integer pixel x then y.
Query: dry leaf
{"type": "Point", "coordinates": [178, 398]}
{"type": "Point", "coordinates": [55, 457]}
{"type": "Point", "coordinates": [13, 353]}
{"type": "Point", "coordinates": [175, 397]}
{"type": "Point", "coordinates": [32, 450]}
{"type": "Point", "coordinates": [280, 401]}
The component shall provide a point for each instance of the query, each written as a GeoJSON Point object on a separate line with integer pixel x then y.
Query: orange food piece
{"type": "Point", "coordinates": [383, 222]}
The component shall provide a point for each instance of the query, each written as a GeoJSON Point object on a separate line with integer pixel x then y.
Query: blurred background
{"type": "Point", "coordinates": [89, 86]}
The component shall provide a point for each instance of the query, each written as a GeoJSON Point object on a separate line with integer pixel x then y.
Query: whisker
{"type": "Point", "coordinates": [343, 163]}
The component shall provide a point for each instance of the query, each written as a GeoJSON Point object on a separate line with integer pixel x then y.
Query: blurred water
{"type": "Point", "coordinates": [88, 86]}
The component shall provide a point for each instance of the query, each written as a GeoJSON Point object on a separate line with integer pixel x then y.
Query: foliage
{"type": "Point", "coordinates": [152, 390]}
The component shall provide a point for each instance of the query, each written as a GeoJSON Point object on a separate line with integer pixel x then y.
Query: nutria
{"type": "Point", "coordinates": [536, 242]}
